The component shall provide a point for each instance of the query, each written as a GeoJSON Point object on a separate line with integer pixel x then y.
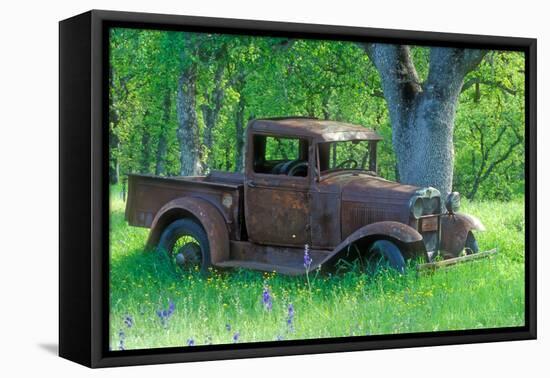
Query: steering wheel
{"type": "Point", "coordinates": [299, 169]}
{"type": "Point", "coordinates": [352, 164]}
{"type": "Point", "coordinates": [278, 168]}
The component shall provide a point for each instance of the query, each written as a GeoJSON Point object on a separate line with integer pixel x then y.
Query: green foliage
{"type": "Point", "coordinates": [483, 294]}
{"type": "Point", "coordinates": [489, 130]}
{"type": "Point", "coordinates": [241, 77]}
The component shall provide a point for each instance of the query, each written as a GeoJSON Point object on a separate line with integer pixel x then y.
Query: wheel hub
{"type": "Point", "coordinates": [188, 255]}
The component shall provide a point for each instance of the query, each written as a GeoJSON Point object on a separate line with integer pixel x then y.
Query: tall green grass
{"type": "Point", "coordinates": [227, 307]}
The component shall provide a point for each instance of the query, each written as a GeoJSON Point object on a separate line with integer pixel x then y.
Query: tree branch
{"type": "Point", "coordinates": [471, 58]}
{"type": "Point", "coordinates": [501, 159]}
{"type": "Point", "coordinates": [453, 64]}
{"type": "Point", "coordinates": [283, 45]}
{"type": "Point", "coordinates": [400, 80]}
{"type": "Point", "coordinates": [468, 84]}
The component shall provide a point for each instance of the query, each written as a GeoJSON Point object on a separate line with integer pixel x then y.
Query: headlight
{"type": "Point", "coordinates": [453, 202]}
{"type": "Point", "coordinates": [417, 207]}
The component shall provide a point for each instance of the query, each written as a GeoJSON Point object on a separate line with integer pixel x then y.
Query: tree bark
{"type": "Point", "coordinates": [188, 128]}
{"type": "Point", "coordinates": [211, 110]}
{"type": "Point", "coordinates": [239, 135]}
{"type": "Point", "coordinates": [422, 114]}
{"type": "Point", "coordinates": [114, 170]}
{"type": "Point", "coordinates": [145, 160]}
{"type": "Point", "coordinates": [162, 142]}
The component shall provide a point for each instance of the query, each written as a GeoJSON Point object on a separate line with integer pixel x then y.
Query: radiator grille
{"type": "Point", "coordinates": [430, 240]}
{"type": "Point", "coordinates": [361, 215]}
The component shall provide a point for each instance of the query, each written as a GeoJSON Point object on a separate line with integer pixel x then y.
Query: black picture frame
{"type": "Point", "coordinates": [83, 196]}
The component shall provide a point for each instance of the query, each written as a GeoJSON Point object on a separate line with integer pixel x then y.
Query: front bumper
{"type": "Point", "coordinates": [431, 266]}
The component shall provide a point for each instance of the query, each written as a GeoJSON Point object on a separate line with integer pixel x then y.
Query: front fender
{"type": "Point", "coordinates": [407, 238]}
{"type": "Point", "coordinates": [202, 211]}
{"type": "Point", "coordinates": [454, 231]}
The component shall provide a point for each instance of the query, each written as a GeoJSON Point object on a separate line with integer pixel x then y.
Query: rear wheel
{"type": "Point", "coordinates": [384, 255]}
{"type": "Point", "coordinates": [186, 244]}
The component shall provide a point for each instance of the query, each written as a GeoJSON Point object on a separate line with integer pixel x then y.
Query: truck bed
{"type": "Point", "coordinates": [147, 194]}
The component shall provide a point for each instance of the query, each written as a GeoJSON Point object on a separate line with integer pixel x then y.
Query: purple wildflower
{"type": "Point", "coordinates": [165, 314]}
{"type": "Point", "coordinates": [190, 342]}
{"type": "Point", "coordinates": [129, 321]}
{"type": "Point", "coordinates": [121, 337]}
{"type": "Point", "coordinates": [266, 299]}
{"type": "Point", "coordinates": [290, 317]}
{"type": "Point", "coordinates": [228, 327]}
{"type": "Point", "coordinates": [280, 338]}
{"type": "Point", "coordinates": [307, 258]}
{"type": "Point", "coordinates": [236, 337]}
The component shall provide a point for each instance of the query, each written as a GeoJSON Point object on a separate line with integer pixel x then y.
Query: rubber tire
{"type": "Point", "coordinates": [471, 246]}
{"type": "Point", "coordinates": [186, 227]}
{"type": "Point", "coordinates": [391, 253]}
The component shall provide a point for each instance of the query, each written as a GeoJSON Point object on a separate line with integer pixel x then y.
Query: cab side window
{"type": "Point", "coordinates": [280, 155]}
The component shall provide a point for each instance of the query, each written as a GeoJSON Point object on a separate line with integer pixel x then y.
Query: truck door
{"type": "Point", "coordinates": [277, 190]}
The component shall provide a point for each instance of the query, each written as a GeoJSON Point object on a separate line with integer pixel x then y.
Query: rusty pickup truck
{"type": "Point", "coordinates": [309, 185]}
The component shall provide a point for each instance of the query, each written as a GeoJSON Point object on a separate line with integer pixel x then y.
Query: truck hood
{"type": "Point", "coordinates": [367, 199]}
{"type": "Point", "coordinates": [360, 187]}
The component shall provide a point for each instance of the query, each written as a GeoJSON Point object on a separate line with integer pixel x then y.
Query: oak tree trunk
{"type": "Point", "coordinates": [422, 114]}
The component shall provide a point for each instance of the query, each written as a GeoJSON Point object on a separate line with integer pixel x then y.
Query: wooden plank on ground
{"type": "Point", "coordinates": [449, 262]}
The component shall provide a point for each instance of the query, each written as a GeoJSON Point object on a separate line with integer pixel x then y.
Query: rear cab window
{"type": "Point", "coordinates": [281, 155]}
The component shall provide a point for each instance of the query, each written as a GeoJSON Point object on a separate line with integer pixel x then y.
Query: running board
{"type": "Point", "coordinates": [266, 267]}
{"type": "Point", "coordinates": [457, 260]}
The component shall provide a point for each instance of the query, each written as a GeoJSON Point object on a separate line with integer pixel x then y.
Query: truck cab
{"type": "Point", "coordinates": [287, 199]}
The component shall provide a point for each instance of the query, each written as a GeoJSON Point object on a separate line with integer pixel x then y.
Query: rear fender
{"type": "Point", "coordinates": [454, 231]}
{"type": "Point", "coordinates": [407, 239]}
{"type": "Point", "coordinates": [204, 213]}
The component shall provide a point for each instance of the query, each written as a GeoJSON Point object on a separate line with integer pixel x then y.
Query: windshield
{"type": "Point", "coordinates": [345, 155]}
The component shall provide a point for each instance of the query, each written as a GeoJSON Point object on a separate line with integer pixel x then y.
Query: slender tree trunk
{"type": "Point", "coordinates": [239, 135]}
{"type": "Point", "coordinates": [188, 128]}
{"type": "Point", "coordinates": [145, 160]}
{"type": "Point", "coordinates": [211, 111]}
{"type": "Point", "coordinates": [422, 115]}
{"type": "Point", "coordinates": [114, 164]}
{"type": "Point", "coordinates": [113, 136]}
{"type": "Point", "coordinates": [162, 143]}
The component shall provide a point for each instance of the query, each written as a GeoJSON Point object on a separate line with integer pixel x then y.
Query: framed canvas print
{"type": "Point", "coordinates": [234, 188]}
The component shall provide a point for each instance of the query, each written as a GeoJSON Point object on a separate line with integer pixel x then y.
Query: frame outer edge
{"type": "Point", "coordinates": [75, 336]}
{"type": "Point", "coordinates": [531, 167]}
{"type": "Point", "coordinates": [99, 256]}
{"type": "Point", "coordinates": [99, 165]}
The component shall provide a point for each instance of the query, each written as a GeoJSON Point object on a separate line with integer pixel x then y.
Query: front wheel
{"type": "Point", "coordinates": [186, 244]}
{"type": "Point", "coordinates": [384, 254]}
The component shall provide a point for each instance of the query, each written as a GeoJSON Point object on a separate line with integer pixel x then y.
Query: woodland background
{"type": "Point", "coordinates": [180, 103]}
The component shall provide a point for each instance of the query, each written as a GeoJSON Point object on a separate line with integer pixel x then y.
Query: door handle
{"type": "Point", "coordinates": [251, 184]}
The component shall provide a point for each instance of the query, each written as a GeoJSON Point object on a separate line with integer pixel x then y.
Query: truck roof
{"type": "Point", "coordinates": [319, 130]}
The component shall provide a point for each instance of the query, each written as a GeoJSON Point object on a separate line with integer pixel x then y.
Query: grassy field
{"type": "Point", "coordinates": [154, 305]}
